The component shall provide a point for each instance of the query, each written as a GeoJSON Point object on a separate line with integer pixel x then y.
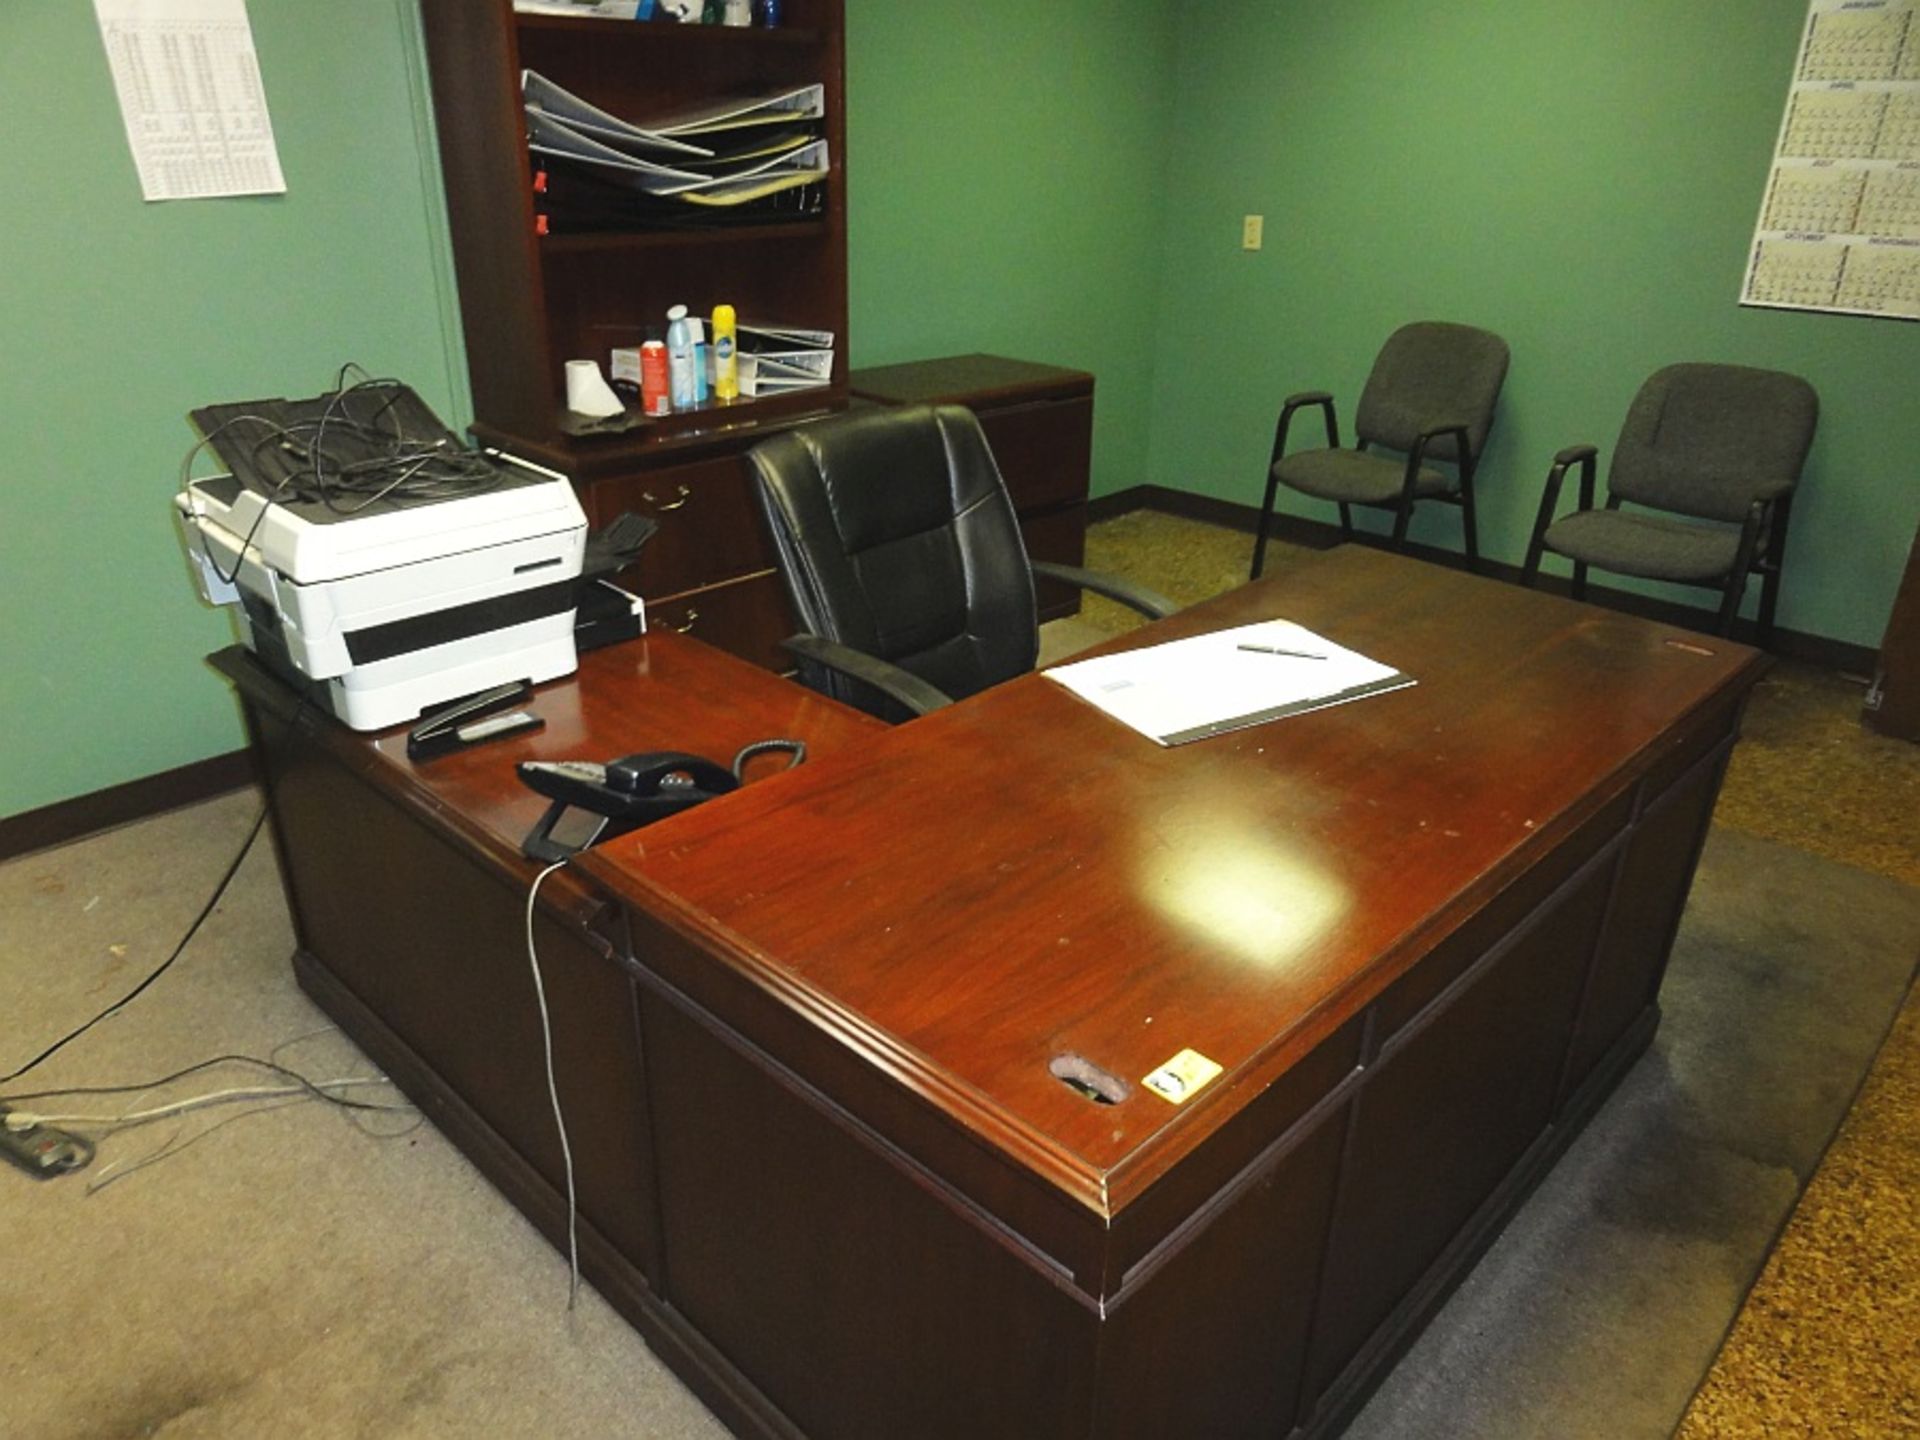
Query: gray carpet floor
{"type": "Point", "coordinates": [1601, 1306]}
{"type": "Point", "coordinates": [301, 1271]}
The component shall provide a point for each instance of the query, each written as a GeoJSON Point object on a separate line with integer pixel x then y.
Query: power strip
{"type": "Point", "coordinates": [40, 1150]}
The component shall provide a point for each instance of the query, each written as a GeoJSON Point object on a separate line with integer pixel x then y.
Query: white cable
{"type": "Point", "coordinates": [553, 1090]}
{"type": "Point", "coordinates": [114, 1170]}
{"type": "Point", "coordinates": [26, 1119]}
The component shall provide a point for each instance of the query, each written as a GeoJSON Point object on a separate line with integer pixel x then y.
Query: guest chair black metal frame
{"type": "Point", "coordinates": [903, 559]}
{"type": "Point", "coordinates": [1720, 444]}
{"type": "Point", "coordinates": [1430, 396]}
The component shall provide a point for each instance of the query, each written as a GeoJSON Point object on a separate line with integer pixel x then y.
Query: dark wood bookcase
{"type": "Point", "coordinates": [529, 302]}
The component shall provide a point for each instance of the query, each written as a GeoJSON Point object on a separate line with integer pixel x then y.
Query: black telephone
{"type": "Point", "coordinates": [628, 792]}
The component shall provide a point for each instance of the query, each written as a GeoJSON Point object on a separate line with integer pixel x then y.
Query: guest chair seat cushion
{"type": "Point", "coordinates": [1357, 477]}
{"type": "Point", "coordinates": [1648, 545]}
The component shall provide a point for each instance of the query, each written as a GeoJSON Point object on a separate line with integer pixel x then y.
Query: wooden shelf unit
{"type": "Point", "coordinates": [531, 302]}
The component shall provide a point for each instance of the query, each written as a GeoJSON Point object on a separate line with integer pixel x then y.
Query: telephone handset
{"type": "Point", "coordinates": [628, 792]}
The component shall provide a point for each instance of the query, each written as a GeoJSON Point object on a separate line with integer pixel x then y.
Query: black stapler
{"type": "Point", "coordinates": [469, 721]}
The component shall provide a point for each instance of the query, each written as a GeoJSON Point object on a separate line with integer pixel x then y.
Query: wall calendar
{"type": "Point", "coordinates": [1839, 226]}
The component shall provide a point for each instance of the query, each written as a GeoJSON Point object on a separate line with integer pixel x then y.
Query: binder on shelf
{"type": "Point", "coordinates": [742, 192]}
{"type": "Point", "coordinates": [759, 334]}
{"type": "Point", "coordinates": [588, 9]}
{"type": "Point", "coordinates": [775, 359]}
{"type": "Point", "coordinates": [591, 172]}
{"type": "Point", "coordinates": [570, 204]}
{"type": "Point", "coordinates": [539, 95]}
{"type": "Point", "coordinates": [760, 378]}
{"type": "Point", "coordinates": [556, 139]}
{"type": "Point", "coordinates": [807, 162]}
{"type": "Point", "coordinates": [795, 362]}
{"type": "Point", "coordinates": [809, 102]}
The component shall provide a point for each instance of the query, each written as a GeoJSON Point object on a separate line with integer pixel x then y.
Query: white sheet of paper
{"type": "Point", "coordinates": [1208, 685]}
{"type": "Point", "coordinates": [191, 97]}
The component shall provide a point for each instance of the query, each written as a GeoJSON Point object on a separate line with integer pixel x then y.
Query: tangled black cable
{"type": "Point", "coordinates": [352, 460]}
{"type": "Point", "coordinates": [355, 453]}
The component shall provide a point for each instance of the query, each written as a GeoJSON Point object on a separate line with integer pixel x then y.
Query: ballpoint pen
{"type": "Point", "coordinates": [1276, 650]}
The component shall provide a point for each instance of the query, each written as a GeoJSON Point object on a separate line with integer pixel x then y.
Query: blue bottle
{"type": "Point", "coordinates": [680, 359]}
{"type": "Point", "coordinates": [766, 13]}
{"type": "Point", "coordinates": [701, 385]}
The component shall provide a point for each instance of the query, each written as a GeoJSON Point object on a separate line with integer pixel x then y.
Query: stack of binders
{"type": "Point", "coordinates": [777, 359]}
{"type": "Point", "coordinates": [751, 161]}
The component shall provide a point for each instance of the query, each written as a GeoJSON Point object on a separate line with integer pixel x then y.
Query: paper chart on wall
{"type": "Point", "coordinates": [191, 97]}
{"type": "Point", "coordinates": [1839, 226]}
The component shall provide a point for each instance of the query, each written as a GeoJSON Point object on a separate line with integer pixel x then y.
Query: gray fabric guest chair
{"type": "Point", "coordinates": [1722, 446]}
{"type": "Point", "coordinates": [1430, 400]}
{"type": "Point", "coordinates": [903, 561]}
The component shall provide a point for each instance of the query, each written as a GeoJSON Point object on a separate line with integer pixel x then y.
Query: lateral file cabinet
{"type": "Point", "coordinates": [1039, 421]}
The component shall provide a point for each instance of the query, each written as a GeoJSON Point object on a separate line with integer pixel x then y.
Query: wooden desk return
{"type": "Point", "coordinates": [843, 1191]}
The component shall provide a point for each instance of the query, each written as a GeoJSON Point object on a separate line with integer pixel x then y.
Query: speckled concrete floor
{"type": "Point", "coordinates": [1828, 1343]}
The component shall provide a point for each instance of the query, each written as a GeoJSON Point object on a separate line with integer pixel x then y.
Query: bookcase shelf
{"type": "Point", "coordinates": [661, 33]}
{"type": "Point", "coordinates": [730, 236]}
{"type": "Point", "coordinates": [530, 302]}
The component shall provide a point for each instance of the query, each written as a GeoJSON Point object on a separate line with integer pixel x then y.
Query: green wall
{"type": "Point", "coordinates": [1581, 178]}
{"type": "Point", "coordinates": [120, 316]}
{"type": "Point", "coordinates": [1005, 195]}
{"type": "Point", "coordinates": [1060, 181]}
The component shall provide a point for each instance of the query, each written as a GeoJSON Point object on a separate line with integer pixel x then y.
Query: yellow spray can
{"type": "Point", "coordinates": [726, 362]}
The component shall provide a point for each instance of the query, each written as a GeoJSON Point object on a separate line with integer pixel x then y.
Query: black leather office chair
{"type": "Point", "coordinates": [1719, 444]}
{"type": "Point", "coordinates": [903, 560]}
{"type": "Point", "coordinates": [1429, 398]}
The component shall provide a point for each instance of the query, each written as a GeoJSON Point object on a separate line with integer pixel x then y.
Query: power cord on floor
{"type": "Point", "coordinates": [192, 930]}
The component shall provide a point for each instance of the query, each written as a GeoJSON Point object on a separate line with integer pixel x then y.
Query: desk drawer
{"type": "Point", "coordinates": [1044, 450]}
{"type": "Point", "coordinates": [745, 617]}
{"type": "Point", "coordinates": [710, 525]}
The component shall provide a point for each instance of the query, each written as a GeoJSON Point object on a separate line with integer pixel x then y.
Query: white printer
{"type": "Point", "coordinates": [396, 604]}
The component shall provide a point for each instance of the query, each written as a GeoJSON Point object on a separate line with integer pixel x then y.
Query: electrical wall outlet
{"type": "Point", "coordinates": [1250, 231]}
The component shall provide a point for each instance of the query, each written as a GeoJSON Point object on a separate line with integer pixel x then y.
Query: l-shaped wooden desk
{"type": "Point", "coordinates": [805, 1034]}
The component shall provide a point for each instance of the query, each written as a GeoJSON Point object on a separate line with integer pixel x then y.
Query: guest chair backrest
{"type": "Point", "coordinates": [1432, 372]}
{"type": "Point", "coordinates": [896, 537]}
{"type": "Point", "coordinates": [1709, 440]}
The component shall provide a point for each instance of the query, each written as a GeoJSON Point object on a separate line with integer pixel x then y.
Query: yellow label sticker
{"type": "Point", "coordinates": [1181, 1076]}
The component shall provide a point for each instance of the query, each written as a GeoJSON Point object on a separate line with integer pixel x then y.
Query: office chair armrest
{"type": "Point", "coordinates": [1417, 457]}
{"type": "Point", "coordinates": [1299, 402]}
{"type": "Point", "coordinates": [1433, 432]}
{"type": "Point", "coordinates": [1585, 457]}
{"type": "Point", "coordinates": [1149, 603]}
{"type": "Point", "coordinates": [902, 685]}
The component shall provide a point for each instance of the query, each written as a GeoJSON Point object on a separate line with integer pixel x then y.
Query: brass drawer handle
{"type": "Point", "coordinates": [692, 616]}
{"type": "Point", "coordinates": [682, 491]}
